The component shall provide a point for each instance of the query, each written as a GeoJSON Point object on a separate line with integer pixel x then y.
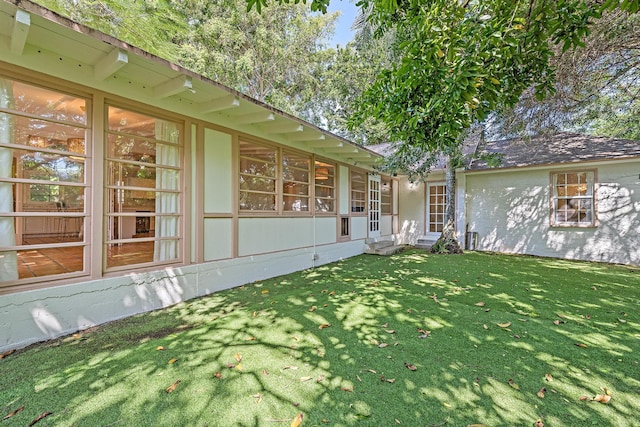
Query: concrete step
{"type": "Point", "coordinates": [424, 243]}
{"type": "Point", "coordinates": [381, 247]}
{"type": "Point", "coordinates": [390, 250]}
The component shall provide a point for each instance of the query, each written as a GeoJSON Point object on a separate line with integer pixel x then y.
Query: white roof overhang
{"type": "Point", "coordinates": [38, 39]}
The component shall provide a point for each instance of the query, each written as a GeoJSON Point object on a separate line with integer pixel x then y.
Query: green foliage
{"type": "Point", "coordinates": [148, 25]}
{"type": "Point", "coordinates": [440, 316]}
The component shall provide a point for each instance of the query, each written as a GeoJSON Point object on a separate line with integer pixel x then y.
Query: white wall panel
{"type": "Point", "coordinates": [386, 225]}
{"type": "Point", "coordinates": [218, 238]}
{"type": "Point", "coordinates": [262, 235]}
{"type": "Point", "coordinates": [218, 172]}
{"type": "Point", "coordinates": [358, 227]}
{"type": "Point", "coordinates": [343, 190]}
{"type": "Point", "coordinates": [412, 211]}
{"type": "Point", "coordinates": [326, 230]}
{"type": "Point", "coordinates": [510, 211]}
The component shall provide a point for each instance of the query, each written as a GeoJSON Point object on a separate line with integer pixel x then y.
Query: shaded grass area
{"type": "Point", "coordinates": [260, 354]}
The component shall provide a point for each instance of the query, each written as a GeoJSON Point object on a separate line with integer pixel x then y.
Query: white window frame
{"type": "Point", "coordinates": [573, 210]}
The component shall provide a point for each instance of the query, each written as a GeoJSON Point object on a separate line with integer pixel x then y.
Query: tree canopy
{"type": "Point", "coordinates": [459, 61]}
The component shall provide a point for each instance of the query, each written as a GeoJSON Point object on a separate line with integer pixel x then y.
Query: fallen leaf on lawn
{"type": "Point", "coordinates": [375, 342]}
{"type": "Point", "coordinates": [602, 398]}
{"type": "Point", "coordinates": [504, 325]}
{"type": "Point", "coordinates": [397, 421]}
{"type": "Point", "coordinates": [390, 380]}
{"type": "Point", "coordinates": [385, 325]}
{"type": "Point", "coordinates": [349, 389]}
{"type": "Point", "coordinates": [513, 384]}
{"type": "Point", "coordinates": [297, 420]}
{"type": "Point", "coordinates": [258, 397]}
{"type": "Point", "coordinates": [325, 421]}
{"type": "Point", "coordinates": [516, 336]}
{"type": "Point", "coordinates": [538, 423]}
{"type": "Point", "coordinates": [250, 339]}
{"type": "Point", "coordinates": [606, 391]}
{"type": "Point", "coordinates": [320, 379]}
{"type": "Point", "coordinates": [172, 361]}
{"type": "Point", "coordinates": [390, 331]}
{"type": "Point", "coordinates": [324, 291]}
{"type": "Point", "coordinates": [11, 414]}
{"type": "Point", "coordinates": [39, 417]}
{"type": "Point", "coordinates": [622, 321]}
{"type": "Point", "coordinates": [476, 425]}
{"type": "Point", "coordinates": [446, 405]}
{"type": "Point", "coordinates": [295, 338]}
{"type": "Point", "coordinates": [160, 348]}
{"type": "Point", "coordinates": [588, 316]}
{"type": "Point", "coordinates": [579, 344]}
{"type": "Point", "coordinates": [265, 291]}
{"type": "Point", "coordinates": [6, 353]}
{"type": "Point", "coordinates": [583, 398]}
{"type": "Point", "coordinates": [218, 375]}
{"type": "Point", "coordinates": [324, 325]}
{"type": "Point", "coordinates": [371, 371]}
{"type": "Point", "coordinates": [239, 366]}
{"type": "Point", "coordinates": [594, 288]}
{"type": "Point", "coordinates": [480, 304]}
{"type": "Point", "coordinates": [265, 372]}
{"type": "Point", "coordinates": [548, 377]}
{"type": "Point", "coordinates": [238, 357]}
{"type": "Point", "coordinates": [410, 366]}
{"type": "Point", "coordinates": [313, 308]}
{"type": "Point", "coordinates": [556, 322]}
{"type": "Point", "coordinates": [383, 345]}
{"type": "Point", "coordinates": [560, 315]}
{"type": "Point", "coordinates": [290, 367]}
{"type": "Point", "coordinates": [231, 365]}
{"type": "Point", "coordinates": [304, 379]}
{"type": "Point", "coordinates": [172, 386]}
{"type": "Point", "coordinates": [485, 326]}
{"type": "Point", "coordinates": [255, 313]}
{"type": "Point", "coordinates": [332, 293]}
{"type": "Point", "coordinates": [541, 392]}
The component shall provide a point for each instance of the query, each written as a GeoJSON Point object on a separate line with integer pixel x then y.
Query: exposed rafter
{"type": "Point", "coordinates": [109, 64]}
{"type": "Point", "coordinates": [342, 150]}
{"type": "Point", "coordinates": [219, 104]}
{"type": "Point", "coordinates": [251, 118]}
{"type": "Point", "coordinates": [275, 128]}
{"type": "Point", "coordinates": [173, 87]}
{"type": "Point", "coordinates": [324, 143]}
{"type": "Point", "coordinates": [306, 136]}
{"type": "Point", "coordinates": [21, 25]}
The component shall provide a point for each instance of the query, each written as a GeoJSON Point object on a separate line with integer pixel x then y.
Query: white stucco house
{"type": "Point", "coordinates": [128, 183]}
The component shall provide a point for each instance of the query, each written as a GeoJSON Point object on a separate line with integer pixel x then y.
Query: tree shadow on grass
{"type": "Point", "coordinates": [336, 343]}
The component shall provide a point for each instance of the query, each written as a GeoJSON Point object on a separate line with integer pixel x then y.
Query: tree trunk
{"type": "Point", "coordinates": [448, 243]}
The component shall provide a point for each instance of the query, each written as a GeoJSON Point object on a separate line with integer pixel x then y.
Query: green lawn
{"type": "Point", "coordinates": [484, 333]}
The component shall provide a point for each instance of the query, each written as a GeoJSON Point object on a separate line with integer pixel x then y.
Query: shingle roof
{"type": "Point", "coordinates": [557, 148]}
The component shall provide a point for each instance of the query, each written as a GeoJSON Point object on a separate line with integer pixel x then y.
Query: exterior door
{"type": "Point", "coordinates": [436, 206]}
{"type": "Point", "coordinates": [374, 205]}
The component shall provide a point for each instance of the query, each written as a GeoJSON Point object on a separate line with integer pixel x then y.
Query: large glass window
{"type": "Point", "coordinates": [358, 191]}
{"type": "Point", "coordinates": [43, 158]}
{"type": "Point", "coordinates": [325, 180]}
{"type": "Point", "coordinates": [143, 170]}
{"type": "Point", "coordinates": [573, 198]}
{"type": "Point", "coordinates": [258, 177]}
{"type": "Point", "coordinates": [386, 190]}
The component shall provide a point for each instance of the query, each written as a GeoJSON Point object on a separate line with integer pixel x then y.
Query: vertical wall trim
{"type": "Point", "coordinates": [96, 183]}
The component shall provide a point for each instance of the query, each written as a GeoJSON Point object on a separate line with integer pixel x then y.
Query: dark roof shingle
{"type": "Point", "coordinates": [557, 148]}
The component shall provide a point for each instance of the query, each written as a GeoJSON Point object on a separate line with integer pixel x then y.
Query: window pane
{"type": "Point", "coordinates": [257, 180]}
{"type": "Point", "coordinates": [47, 104]}
{"type": "Point", "coordinates": [45, 130]}
{"type": "Point", "coordinates": [573, 198]}
{"type": "Point", "coordinates": [143, 188]}
{"type": "Point", "coordinates": [324, 178]}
